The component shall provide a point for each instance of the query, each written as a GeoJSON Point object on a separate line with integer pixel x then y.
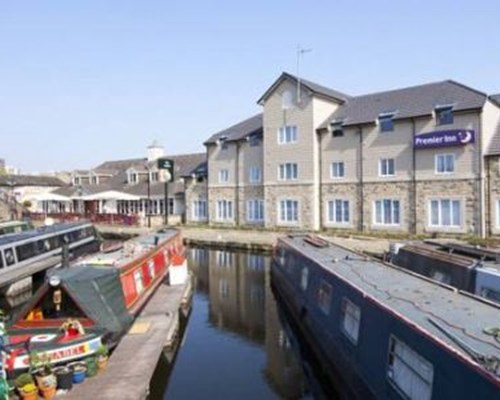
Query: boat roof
{"type": "Point", "coordinates": [132, 249]}
{"type": "Point", "coordinates": [42, 230]}
{"type": "Point", "coordinates": [413, 297]}
{"type": "Point", "coordinates": [5, 224]}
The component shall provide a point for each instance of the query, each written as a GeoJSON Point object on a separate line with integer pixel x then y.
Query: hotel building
{"type": "Point", "coordinates": [422, 159]}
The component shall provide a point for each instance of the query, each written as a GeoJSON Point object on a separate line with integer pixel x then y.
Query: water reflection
{"type": "Point", "coordinates": [235, 346]}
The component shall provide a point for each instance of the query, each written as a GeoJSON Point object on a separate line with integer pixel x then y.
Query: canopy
{"type": "Point", "coordinates": [49, 197]}
{"type": "Point", "coordinates": [110, 195]}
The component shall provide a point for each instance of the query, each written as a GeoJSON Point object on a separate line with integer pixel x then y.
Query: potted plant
{"type": "Point", "coordinates": [26, 387]}
{"type": "Point", "coordinates": [102, 354]}
{"type": "Point", "coordinates": [79, 369]}
{"type": "Point", "coordinates": [45, 378]}
{"type": "Point", "coordinates": [64, 377]}
{"type": "Point", "coordinates": [91, 364]}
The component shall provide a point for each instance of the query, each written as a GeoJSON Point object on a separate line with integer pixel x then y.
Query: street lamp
{"type": "Point", "coordinates": [149, 195]}
{"type": "Point", "coordinates": [11, 183]}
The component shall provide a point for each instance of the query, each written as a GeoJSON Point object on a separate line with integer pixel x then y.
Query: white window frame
{"type": "Point", "coordinates": [225, 211]}
{"type": "Point", "coordinates": [255, 174]}
{"type": "Point", "coordinates": [223, 175]}
{"type": "Point", "coordinates": [286, 212]}
{"type": "Point", "coordinates": [440, 224]}
{"type": "Point", "coordinates": [351, 320]}
{"type": "Point", "coordinates": [387, 162]}
{"type": "Point", "coordinates": [133, 177]}
{"type": "Point", "coordinates": [392, 214]}
{"type": "Point", "coordinates": [335, 202]}
{"type": "Point", "coordinates": [288, 134]}
{"type": "Point", "coordinates": [255, 210]}
{"type": "Point", "coordinates": [199, 210]}
{"type": "Point", "coordinates": [405, 367]}
{"type": "Point", "coordinates": [224, 258]}
{"type": "Point", "coordinates": [337, 170]}
{"type": "Point", "coordinates": [445, 156]}
{"type": "Point", "coordinates": [288, 171]}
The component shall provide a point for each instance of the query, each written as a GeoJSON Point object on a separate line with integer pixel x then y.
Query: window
{"type": "Point", "coordinates": [351, 317]}
{"type": "Point", "coordinates": [287, 134]}
{"type": "Point", "coordinates": [139, 285]}
{"type": "Point", "coordinates": [288, 171]}
{"type": "Point", "coordinates": [444, 163]}
{"type": "Point", "coordinates": [9, 257]}
{"type": "Point", "coordinates": [444, 115]}
{"type": "Point", "coordinates": [255, 210]}
{"type": "Point", "coordinates": [336, 128]}
{"type": "Point", "coordinates": [224, 289]}
{"type": "Point", "coordinates": [171, 206]}
{"type": "Point", "coordinates": [387, 212]}
{"type": "Point", "coordinates": [324, 296]}
{"type": "Point", "coordinates": [95, 180]}
{"type": "Point", "coordinates": [337, 169]}
{"type": "Point", "coordinates": [76, 181]}
{"type": "Point", "coordinates": [151, 269]}
{"type": "Point", "coordinates": [386, 123]}
{"type": "Point", "coordinates": [445, 213]}
{"type": "Point", "coordinates": [386, 167]}
{"type": "Point", "coordinates": [289, 211]}
{"type": "Point", "coordinates": [199, 210]}
{"type": "Point", "coordinates": [153, 176]}
{"type": "Point", "coordinates": [255, 174]}
{"type": "Point", "coordinates": [223, 175]}
{"type": "Point", "coordinates": [409, 371]}
{"type": "Point", "coordinates": [338, 211]}
{"type": "Point", "coordinates": [224, 210]}
{"type": "Point", "coordinates": [304, 278]}
{"type": "Point", "coordinates": [1, 260]}
{"type": "Point", "coordinates": [132, 177]}
{"type": "Point", "coordinates": [287, 99]}
{"type": "Point", "coordinates": [255, 140]}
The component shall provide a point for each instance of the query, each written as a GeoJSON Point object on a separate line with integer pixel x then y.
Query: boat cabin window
{"type": "Point", "coordinates": [304, 278]}
{"type": "Point", "coordinates": [1, 260]}
{"type": "Point", "coordinates": [490, 293]}
{"type": "Point", "coordinates": [139, 285]}
{"type": "Point", "coordinates": [409, 371]}
{"type": "Point", "coordinates": [351, 317]}
{"type": "Point", "coordinates": [55, 304]}
{"type": "Point", "coordinates": [9, 257]}
{"type": "Point", "coordinates": [324, 296]}
{"type": "Point", "coordinates": [440, 276]}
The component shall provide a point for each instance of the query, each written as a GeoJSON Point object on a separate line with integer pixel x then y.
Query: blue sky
{"type": "Point", "coordinates": [82, 82]}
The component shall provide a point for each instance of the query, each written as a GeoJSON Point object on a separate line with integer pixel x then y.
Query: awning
{"type": "Point", "coordinates": [110, 195]}
{"type": "Point", "coordinates": [49, 197]}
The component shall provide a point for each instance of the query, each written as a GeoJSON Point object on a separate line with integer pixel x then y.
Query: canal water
{"type": "Point", "coordinates": [234, 346]}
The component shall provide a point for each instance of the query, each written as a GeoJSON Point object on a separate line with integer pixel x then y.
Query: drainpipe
{"type": "Point", "coordinates": [414, 177]}
{"type": "Point", "coordinates": [237, 184]}
{"type": "Point", "coordinates": [320, 162]}
{"type": "Point", "coordinates": [488, 195]}
{"type": "Point", "coordinates": [482, 225]}
{"type": "Point", "coordinates": [361, 188]}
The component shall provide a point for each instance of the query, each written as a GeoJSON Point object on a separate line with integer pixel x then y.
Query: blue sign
{"type": "Point", "coordinates": [455, 137]}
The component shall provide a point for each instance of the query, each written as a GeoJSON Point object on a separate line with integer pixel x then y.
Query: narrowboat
{"type": "Point", "coordinates": [382, 332]}
{"type": "Point", "coordinates": [8, 227]}
{"type": "Point", "coordinates": [469, 268]}
{"type": "Point", "coordinates": [92, 302]}
{"type": "Point", "coordinates": [26, 253]}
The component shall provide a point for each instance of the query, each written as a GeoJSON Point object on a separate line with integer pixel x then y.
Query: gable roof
{"type": "Point", "coordinates": [30, 180]}
{"type": "Point", "coordinates": [495, 98]}
{"type": "Point", "coordinates": [408, 102]}
{"type": "Point", "coordinates": [315, 88]}
{"type": "Point", "coordinates": [247, 127]}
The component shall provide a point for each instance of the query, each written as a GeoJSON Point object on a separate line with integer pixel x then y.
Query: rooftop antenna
{"type": "Point", "coordinates": [300, 53]}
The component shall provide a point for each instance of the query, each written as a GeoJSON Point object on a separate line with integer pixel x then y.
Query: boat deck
{"type": "Point", "coordinates": [132, 249]}
{"type": "Point", "coordinates": [414, 298]}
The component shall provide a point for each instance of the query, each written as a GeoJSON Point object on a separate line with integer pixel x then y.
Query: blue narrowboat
{"type": "Point", "coordinates": [382, 332]}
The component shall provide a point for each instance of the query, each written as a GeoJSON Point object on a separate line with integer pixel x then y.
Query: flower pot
{"type": "Point", "coordinates": [79, 371]}
{"type": "Point", "coordinates": [64, 377]}
{"type": "Point", "coordinates": [91, 365]}
{"type": "Point", "coordinates": [45, 381]}
{"type": "Point", "coordinates": [48, 392]}
{"type": "Point", "coordinates": [29, 392]}
{"type": "Point", "coordinates": [102, 362]}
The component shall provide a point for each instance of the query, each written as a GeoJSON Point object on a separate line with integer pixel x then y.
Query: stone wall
{"type": "Point", "coordinates": [249, 193]}
{"type": "Point", "coordinates": [220, 193]}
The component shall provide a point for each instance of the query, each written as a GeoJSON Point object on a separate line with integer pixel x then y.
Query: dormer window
{"type": "Point", "coordinates": [444, 114]}
{"type": "Point", "coordinates": [222, 141]}
{"type": "Point", "coordinates": [94, 180]}
{"type": "Point", "coordinates": [76, 180]}
{"type": "Point", "coordinates": [336, 128]}
{"type": "Point", "coordinates": [153, 176]}
{"type": "Point", "coordinates": [132, 177]}
{"type": "Point", "coordinates": [255, 140]}
{"type": "Point", "coordinates": [386, 121]}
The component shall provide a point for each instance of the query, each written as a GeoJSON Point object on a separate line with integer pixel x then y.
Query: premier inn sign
{"type": "Point", "coordinates": [455, 137]}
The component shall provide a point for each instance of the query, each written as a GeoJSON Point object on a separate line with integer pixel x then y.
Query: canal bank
{"type": "Point", "coordinates": [248, 239]}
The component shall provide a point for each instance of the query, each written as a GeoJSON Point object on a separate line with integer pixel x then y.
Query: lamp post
{"type": "Point", "coordinates": [10, 196]}
{"type": "Point", "coordinates": [148, 203]}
